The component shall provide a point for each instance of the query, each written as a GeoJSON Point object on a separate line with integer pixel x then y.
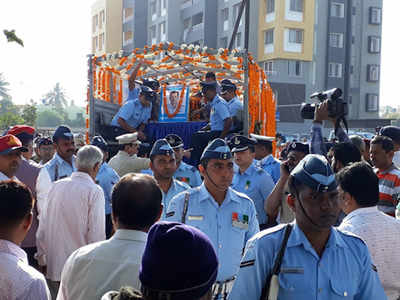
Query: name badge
{"type": "Point", "coordinates": [195, 218]}
{"type": "Point", "coordinates": [292, 270]}
{"type": "Point", "coordinates": [240, 221]}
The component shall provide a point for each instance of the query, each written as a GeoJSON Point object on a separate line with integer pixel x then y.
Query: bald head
{"type": "Point", "coordinates": [136, 202]}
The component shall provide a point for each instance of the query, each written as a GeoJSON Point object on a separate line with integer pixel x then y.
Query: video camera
{"type": "Point", "coordinates": [337, 107]}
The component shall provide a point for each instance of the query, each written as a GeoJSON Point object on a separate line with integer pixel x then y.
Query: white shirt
{"type": "Point", "coordinates": [18, 280]}
{"type": "Point", "coordinates": [396, 159]}
{"type": "Point", "coordinates": [74, 217]}
{"type": "Point", "coordinates": [95, 269]}
{"type": "Point", "coordinates": [382, 236]}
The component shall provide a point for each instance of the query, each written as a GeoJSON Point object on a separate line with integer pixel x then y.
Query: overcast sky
{"type": "Point", "coordinates": [57, 39]}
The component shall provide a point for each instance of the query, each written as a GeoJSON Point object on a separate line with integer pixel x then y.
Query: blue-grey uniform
{"type": "Point", "coordinates": [133, 112]}
{"type": "Point", "coordinates": [185, 173]}
{"type": "Point", "coordinates": [57, 167]}
{"type": "Point", "coordinates": [234, 106]}
{"type": "Point", "coordinates": [219, 112]}
{"type": "Point", "coordinates": [229, 225]}
{"type": "Point", "coordinates": [342, 271]}
{"type": "Point", "coordinates": [254, 182]}
{"type": "Point", "coordinates": [162, 147]}
{"type": "Point", "coordinates": [107, 178]}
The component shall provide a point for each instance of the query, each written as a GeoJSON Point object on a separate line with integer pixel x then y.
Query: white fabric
{"type": "Point", "coordinates": [74, 217]}
{"type": "Point", "coordinates": [382, 236]}
{"type": "Point", "coordinates": [4, 177]}
{"type": "Point", "coordinates": [97, 268]}
{"type": "Point", "coordinates": [396, 159]}
{"type": "Point", "coordinates": [18, 280]}
{"type": "Point", "coordinates": [43, 185]}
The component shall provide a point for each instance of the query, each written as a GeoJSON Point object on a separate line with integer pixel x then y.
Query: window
{"type": "Point", "coordinates": [353, 10]}
{"type": "Point", "coordinates": [351, 69]}
{"type": "Point", "coordinates": [153, 32]}
{"type": "Point", "coordinates": [101, 41]}
{"type": "Point", "coordinates": [374, 44]}
{"type": "Point", "coordinates": [238, 40]}
{"type": "Point", "coordinates": [335, 70]}
{"type": "Point", "coordinates": [224, 42]}
{"type": "Point", "coordinates": [295, 68]}
{"type": "Point", "coordinates": [128, 13]}
{"type": "Point", "coordinates": [95, 22]}
{"type": "Point", "coordinates": [197, 19]}
{"type": "Point", "coordinates": [128, 37]}
{"type": "Point", "coordinates": [225, 14]}
{"type": "Point", "coordinates": [372, 73]}
{"type": "Point", "coordinates": [371, 104]}
{"type": "Point", "coordinates": [94, 43]}
{"type": "Point", "coordinates": [102, 19]}
{"type": "Point", "coordinates": [186, 23]}
{"type": "Point", "coordinates": [336, 40]}
{"type": "Point", "coordinates": [186, 3]}
{"type": "Point", "coordinates": [337, 10]}
{"type": "Point", "coordinates": [153, 8]}
{"type": "Point", "coordinates": [236, 9]}
{"type": "Point", "coordinates": [270, 6]}
{"type": "Point", "coordinates": [375, 15]}
{"type": "Point", "coordinates": [296, 36]}
{"type": "Point", "coordinates": [269, 37]}
{"type": "Point", "coordinates": [269, 67]}
{"type": "Point", "coordinates": [296, 5]}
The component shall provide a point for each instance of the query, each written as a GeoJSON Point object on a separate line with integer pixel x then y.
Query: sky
{"type": "Point", "coordinates": [57, 39]}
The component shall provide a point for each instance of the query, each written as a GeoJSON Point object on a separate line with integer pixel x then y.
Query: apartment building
{"type": "Point", "coordinates": [134, 24]}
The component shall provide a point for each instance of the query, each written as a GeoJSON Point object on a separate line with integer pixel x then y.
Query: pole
{"type": "Point", "coordinates": [91, 96]}
{"type": "Point", "coordinates": [237, 22]}
{"type": "Point", "coordinates": [246, 71]}
{"type": "Point", "coordinates": [247, 26]}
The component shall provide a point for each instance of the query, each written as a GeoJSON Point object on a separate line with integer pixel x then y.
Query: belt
{"type": "Point", "coordinates": [221, 289]}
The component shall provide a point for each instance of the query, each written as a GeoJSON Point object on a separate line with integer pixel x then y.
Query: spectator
{"type": "Point", "coordinates": [382, 152]}
{"type": "Point", "coordinates": [179, 263]}
{"type": "Point", "coordinates": [100, 267]}
{"type": "Point", "coordinates": [343, 155]}
{"type": "Point", "coordinates": [46, 150]}
{"type": "Point", "coordinates": [359, 195]}
{"type": "Point", "coordinates": [393, 132]}
{"type": "Point", "coordinates": [10, 156]}
{"type": "Point", "coordinates": [18, 280]}
{"type": "Point", "coordinates": [74, 216]}
{"type": "Point", "coordinates": [357, 141]}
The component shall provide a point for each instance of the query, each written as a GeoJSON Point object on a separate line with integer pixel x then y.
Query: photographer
{"type": "Point", "coordinates": [317, 144]}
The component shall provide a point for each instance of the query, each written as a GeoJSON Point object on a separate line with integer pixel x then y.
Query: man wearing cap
{"type": "Point", "coordinates": [79, 141]}
{"type": "Point", "coordinates": [97, 268]}
{"type": "Point", "coordinates": [263, 153]}
{"type": "Point", "coordinates": [228, 92]}
{"type": "Point", "coordinates": [106, 178]}
{"type": "Point", "coordinates": [179, 263]}
{"type": "Point", "coordinates": [220, 120]}
{"type": "Point", "coordinates": [319, 261]}
{"type": "Point", "coordinates": [133, 115]}
{"type": "Point", "coordinates": [250, 179]}
{"type": "Point", "coordinates": [276, 205]}
{"type": "Point", "coordinates": [184, 172]}
{"type": "Point", "coordinates": [163, 165]}
{"type": "Point", "coordinates": [38, 181]}
{"type": "Point", "coordinates": [226, 216]}
{"type": "Point", "coordinates": [126, 160]}
{"type": "Point", "coordinates": [63, 163]}
{"type": "Point", "coordinates": [393, 132]}
{"type": "Point", "coordinates": [11, 150]}
{"type": "Point", "coordinates": [45, 149]}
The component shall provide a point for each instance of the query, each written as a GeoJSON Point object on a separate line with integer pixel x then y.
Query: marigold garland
{"type": "Point", "coordinates": [179, 103]}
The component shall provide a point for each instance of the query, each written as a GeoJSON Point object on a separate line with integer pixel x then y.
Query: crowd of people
{"type": "Point", "coordinates": [317, 223]}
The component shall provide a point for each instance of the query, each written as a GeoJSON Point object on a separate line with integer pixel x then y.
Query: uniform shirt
{"type": "Point", "coordinates": [344, 271]}
{"type": "Point", "coordinates": [18, 280]}
{"type": "Point", "coordinates": [133, 94]}
{"type": "Point", "coordinates": [175, 188]}
{"type": "Point", "coordinates": [123, 164]}
{"type": "Point", "coordinates": [59, 168]}
{"type": "Point", "coordinates": [389, 189]}
{"type": "Point", "coordinates": [74, 217]}
{"type": "Point", "coordinates": [219, 112]}
{"type": "Point", "coordinates": [107, 178]}
{"type": "Point", "coordinates": [381, 234]}
{"type": "Point", "coordinates": [228, 226]}
{"type": "Point", "coordinates": [95, 269]}
{"type": "Point", "coordinates": [396, 159]}
{"type": "Point", "coordinates": [272, 166]}
{"type": "Point", "coordinates": [257, 184]}
{"type": "Point", "coordinates": [133, 112]}
{"type": "Point", "coordinates": [234, 106]}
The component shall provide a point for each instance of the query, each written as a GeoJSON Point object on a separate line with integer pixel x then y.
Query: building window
{"type": "Point", "coordinates": [375, 15]}
{"type": "Point", "coordinates": [351, 69]}
{"type": "Point", "coordinates": [101, 41]}
{"type": "Point", "coordinates": [95, 22]}
{"type": "Point", "coordinates": [372, 103]}
{"type": "Point", "coordinates": [296, 36]}
{"type": "Point", "coordinates": [236, 9]}
{"type": "Point", "coordinates": [372, 73]}
{"type": "Point", "coordinates": [374, 44]}
{"type": "Point", "coordinates": [238, 40]}
{"type": "Point", "coordinates": [296, 5]}
{"type": "Point", "coordinates": [127, 13]}
{"type": "Point", "coordinates": [269, 67]}
{"type": "Point", "coordinates": [153, 36]}
{"type": "Point", "coordinates": [102, 19]}
{"type": "Point", "coordinates": [354, 10]}
{"type": "Point", "coordinates": [127, 37]}
{"type": "Point", "coordinates": [295, 68]}
{"type": "Point", "coordinates": [337, 10]}
{"type": "Point", "coordinates": [223, 42]}
{"type": "Point", "coordinates": [269, 37]}
{"type": "Point", "coordinates": [197, 19]}
{"type": "Point", "coordinates": [225, 18]}
{"type": "Point", "coordinates": [335, 70]}
{"type": "Point", "coordinates": [153, 9]}
{"type": "Point", "coordinates": [270, 6]}
{"type": "Point", "coordinates": [161, 28]}
{"type": "Point", "coordinates": [336, 40]}
{"type": "Point", "coordinates": [163, 7]}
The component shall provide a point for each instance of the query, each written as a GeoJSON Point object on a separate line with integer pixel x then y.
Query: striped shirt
{"type": "Point", "coordinates": [389, 189]}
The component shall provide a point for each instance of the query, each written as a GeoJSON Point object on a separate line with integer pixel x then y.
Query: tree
{"type": "Point", "coordinates": [29, 114]}
{"type": "Point", "coordinates": [49, 118]}
{"type": "Point", "coordinates": [4, 88]}
{"type": "Point", "coordinates": [9, 119]}
{"type": "Point", "coordinates": [57, 99]}
{"type": "Point", "coordinates": [7, 106]}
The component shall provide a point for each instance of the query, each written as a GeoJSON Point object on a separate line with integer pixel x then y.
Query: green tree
{"type": "Point", "coordinates": [4, 88]}
{"type": "Point", "coordinates": [29, 114]}
{"type": "Point", "coordinates": [49, 118]}
{"type": "Point", "coordinates": [9, 119]}
{"type": "Point", "coordinates": [57, 99]}
{"type": "Point", "coordinates": [7, 106]}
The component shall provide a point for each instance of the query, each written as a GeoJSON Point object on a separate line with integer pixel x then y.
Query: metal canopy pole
{"type": "Point", "coordinates": [91, 96]}
{"type": "Point", "coordinates": [237, 22]}
{"type": "Point", "coordinates": [246, 70]}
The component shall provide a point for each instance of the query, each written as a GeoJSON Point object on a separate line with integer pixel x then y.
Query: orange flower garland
{"type": "Point", "coordinates": [179, 103]}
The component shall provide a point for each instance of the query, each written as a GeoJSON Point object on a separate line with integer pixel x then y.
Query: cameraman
{"type": "Point", "coordinates": [317, 143]}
